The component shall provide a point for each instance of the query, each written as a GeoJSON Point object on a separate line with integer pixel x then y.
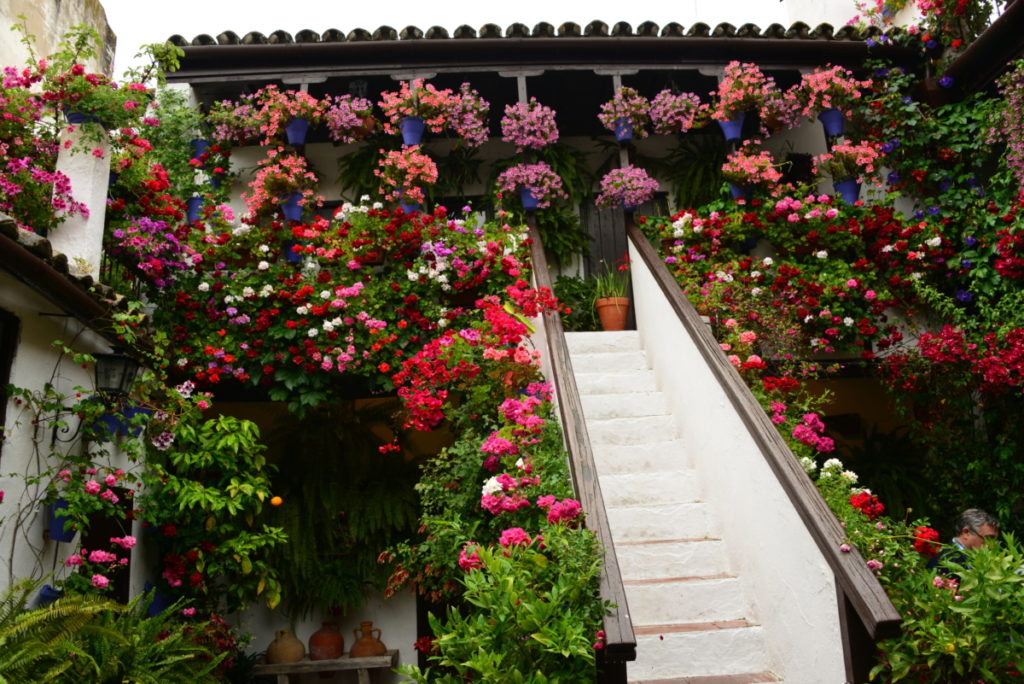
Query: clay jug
{"type": "Point", "coordinates": [327, 643]}
{"type": "Point", "coordinates": [285, 648]}
{"type": "Point", "coordinates": [368, 644]}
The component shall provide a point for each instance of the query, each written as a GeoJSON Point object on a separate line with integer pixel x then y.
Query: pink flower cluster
{"type": "Point", "coordinates": [629, 186]}
{"type": "Point", "coordinates": [403, 172]}
{"type": "Point", "coordinates": [467, 116]}
{"type": "Point", "coordinates": [742, 88]}
{"type": "Point", "coordinates": [627, 104]}
{"type": "Point", "coordinates": [808, 432]}
{"type": "Point", "coordinates": [418, 99]}
{"type": "Point", "coordinates": [348, 118]}
{"type": "Point", "coordinates": [503, 494]}
{"type": "Point", "coordinates": [745, 168]}
{"type": "Point", "coordinates": [529, 125]}
{"type": "Point", "coordinates": [471, 560]}
{"type": "Point", "coordinates": [847, 160]}
{"type": "Point", "coordinates": [543, 183]}
{"type": "Point", "coordinates": [674, 112]}
{"type": "Point", "coordinates": [566, 510]}
{"type": "Point", "coordinates": [828, 88]}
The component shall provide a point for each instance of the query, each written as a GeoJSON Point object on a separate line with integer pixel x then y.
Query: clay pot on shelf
{"type": "Point", "coordinates": [285, 648]}
{"type": "Point", "coordinates": [367, 645]}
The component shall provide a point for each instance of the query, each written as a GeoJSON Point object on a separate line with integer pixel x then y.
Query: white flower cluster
{"type": "Point", "coordinates": [492, 486]}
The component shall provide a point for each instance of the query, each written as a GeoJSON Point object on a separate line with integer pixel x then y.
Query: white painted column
{"type": "Point", "coordinates": [81, 238]}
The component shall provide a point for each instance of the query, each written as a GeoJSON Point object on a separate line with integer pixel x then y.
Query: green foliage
{"type": "Point", "coordinates": [562, 234]}
{"type": "Point", "coordinates": [86, 639]}
{"type": "Point", "coordinates": [534, 615]}
{"type": "Point", "coordinates": [693, 167]}
{"type": "Point", "coordinates": [343, 502]}
{"type": "Point", "coordinates": [578, 295]}
{"type": "Point", "coordinates": [612, 282]}
{"type": "Point", "coordinates": [202, 496]}
{"type": "Point", "coordinates": [971, 632]}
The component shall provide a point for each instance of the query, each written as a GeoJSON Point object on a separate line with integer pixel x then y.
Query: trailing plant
{"type": "Point", "coordinates": [343, 502]}
{"type": "Point", "coordinates": [563, 235]}
{"type": "Point", "coordinates": [538, 179]}
{"type": "Point", "coordinates": [674, 112]}
{"type": "Point", "coordinates": [529, 125]}
{"type": "Point", "coordinates": [627, 105]}
{"type": "Point", "coordinates": [629, 186]}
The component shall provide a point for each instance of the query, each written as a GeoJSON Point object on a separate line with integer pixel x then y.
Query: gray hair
{"type": "Point", "coordinates": [973, 519]}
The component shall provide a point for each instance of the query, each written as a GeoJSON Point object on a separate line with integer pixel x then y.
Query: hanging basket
{"type": "Point", "coordinates": [733, 128]}
{"type": "Point", "coordinates": [412, 128]}
{"type": "Point", "coordinates": [833, 121]}
{"type": "Point", "coordinates": [296, 131]}
{"type": "Point", "coordinates": [623, 129]}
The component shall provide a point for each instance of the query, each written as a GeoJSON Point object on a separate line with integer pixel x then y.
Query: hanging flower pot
{"type": "Point", "coordinates": [290, 206]}
{"type": "Point", "coordinates": [623, 129]}
{"type": "Point", "coordinates": [412, 128]}
{"type": "Point", "coordinates": [193, 205]}
{"type": "Point", "coordinates": [77, 118]}
{"type": "Point", "coordinates": [290, 255]}
{"type": "Point", "coordinates": [199, 147]}
{"type": "Point", "coordinates": [612, 311]}
{"type": "Point", "coordinates": [848, 189]}
{"type": "Point", "coordinates": [409, 207]}
{"type": "Point", "coordinates": [833, 121]}
{"type": "Point", "coordinates": [530, 203]}
{"type": "Point", "coordinates": [55, 518]}
{"type": "Point", "coordinates": [295, 131]}
{"type": "Point", "coordinates": [159, 603]}
{"type": "Point", "coordinates": [47, 595]}
{"type": "Point", "coordinates": [629, 207]}
{"type": "Point", "coordinates": [733, 128]}
{"type": "Point", "coordinates": [741, 191]}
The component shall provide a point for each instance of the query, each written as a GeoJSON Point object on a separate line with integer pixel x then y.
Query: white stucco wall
{"type": "Point", "coordinates": [780, 566]}
{"type": "Point", "coordinates": [23, 550]}
{"type": "Point", "coordinates": [48, 20]}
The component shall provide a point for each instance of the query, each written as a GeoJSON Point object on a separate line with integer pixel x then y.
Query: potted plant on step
{"type": "Point", "coordinates": [611, 292]}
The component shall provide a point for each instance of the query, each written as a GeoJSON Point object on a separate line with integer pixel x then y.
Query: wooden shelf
{"type": "Point", "coordinates": [361, 665]}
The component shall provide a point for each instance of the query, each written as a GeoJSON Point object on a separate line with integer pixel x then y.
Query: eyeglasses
{"type": "Point", "coordinates": [984, 537]}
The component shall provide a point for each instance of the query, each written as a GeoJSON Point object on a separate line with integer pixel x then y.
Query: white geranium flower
{"type": "Point", "coordinates": [248, 291]}
{"type": "Point", "coordinates": [204, 287]}
{"type": "Point", "coordinates": [821, 254]}
{"type": "Point", "coordinates": [832, 463]}
{"type": "Point", "coordinates": [755, 274]}
{"type": "Point", "coordinates": [808, 464]}
{"type": "Point", "coordinates": [756, 291]}
{"type": "Point", "coordinates": [934, 242]}
{"type": "Point", "coordinates": [850, 476]}
{"type": "Point", "coordinates": [767, 261]}
{"type": "Point", "coordinates": [328, 326]}
{"type": "Point", "coordinates": [378, 205]}
{"type": "Point", "coordinates": [302, 310]}
{"type": "Point", "coordinates": [888, 248]}
{"type": "Point", "coordinates": [326, 294]}
{"type": "Point", "coordinates": [363, 199]}
{"type": "Point", "coordinates": [263, 266]}
{"type": "Point", "coordinates": [847, 321]}
{"type": "Point", "coordinates": [442, 323]}
{"type": "Point", "coordinates": [264, 248]}
{"type": "Point", "coordinates": [313, 332]}
{"type": "Point", "coordinates": [492, 486]}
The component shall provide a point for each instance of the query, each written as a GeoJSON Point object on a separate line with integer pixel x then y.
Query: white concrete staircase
{"type": "Point", "coordinates": [693, 623]}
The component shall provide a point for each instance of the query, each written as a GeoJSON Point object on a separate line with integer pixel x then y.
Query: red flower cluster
{"type": "Point", "coordinates": [926, 541]}
{"type": "Point", "coordinates": [868, 504]}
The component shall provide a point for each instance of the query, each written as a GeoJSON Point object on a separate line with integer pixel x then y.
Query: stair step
{"type": "Point", "coordinates": [685, 599]}
{"type": "Point", "coordinates": [745, 678]}
{"type": "Point", "coordinates": [640, 488]}
{"type": "Point", "coordinates": [647, 457]}
{"type": "Point", "coordinates": [703, 654]}
{"type": "Point", "coordinates": [624, 405]}
{"type": "Point", "coordinates": [674, 557]}
{"type": "Point", "coordinates": [605, 382]}
{"type": "Point", "coordinates": [632, 430]}
{"type": "Point", "coordinates": [666, 521]}
{"type": "Point", "coordinates": [596, 342]}
{"type": "Point", "coordinates": [604, 362]}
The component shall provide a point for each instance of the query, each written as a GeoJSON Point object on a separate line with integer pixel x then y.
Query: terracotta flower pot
{"type": "Point", "coordinates": [612, 311]}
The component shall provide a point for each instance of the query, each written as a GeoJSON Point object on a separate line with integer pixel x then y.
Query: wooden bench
{"type": "Point", "coordinates": [362, 666]}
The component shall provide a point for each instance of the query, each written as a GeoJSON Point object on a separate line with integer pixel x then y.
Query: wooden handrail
{"type": "Point", "coordinates": [620, 641]}
{"type": "Point", "coordinates": [854, 580]}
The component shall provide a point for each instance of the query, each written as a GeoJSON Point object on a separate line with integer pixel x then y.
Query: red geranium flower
{"type": "Point", "coordinates": [926, 541]}
{"type": "Point", "coordinates": [868, 504]}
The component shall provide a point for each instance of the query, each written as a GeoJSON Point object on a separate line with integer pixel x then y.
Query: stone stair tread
{"type": "Point", "coordinates": [604, 362]}
{"type": "Point", "coordinates": [744, 678]}
{"type": "Point", "coordinates": [643, 488]}
{"type": "Point", "coordinates": [583, 342]}
{"type": "Point", "coordinates": [647, 457]}
{"type": "Point", "coordinates": [701, 655]}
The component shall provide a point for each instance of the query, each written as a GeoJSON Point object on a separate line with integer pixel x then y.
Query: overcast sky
{"type": "Point", "coordinates": [137, 23]}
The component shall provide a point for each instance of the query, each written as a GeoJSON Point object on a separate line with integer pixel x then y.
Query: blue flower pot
{"type": "Point", "coordinates": [629, 208]}
{"type": "Point", "coordinates": [623, 129]}
{"type": "Point", "coordinates": [78, 118]}
{"type": "Point", "coordinates": [295, 131]}
{"type": "Point", "coordinates": [127, 428]}
{"type": "Point", "coordinates": [199, 146]}
{"type": "Point", "coordinates": [290, 255]}
{"type": "Point", "coordinates": [193, 206]}
{"type": "Point", "coordinates": [530, 203]}
{"type": "Point", "coordinates": [733, 128]}
{"type": "Point", "coordinates": [741, 191]}
{"type": "Point", "coordinates": [412, 128]}
{"type": "Point", "coordinates": [290, 206]}
{"type": "Point", "coordinates": [55, 518]}
{"type": "Point", "coordinates": [160, 602]}
{"type": "Point", "coordinates": [47, 595]}
{"type": "Point", "coordinates": [409, 207]}
{"type": "Point", "coordinates": [848, 189]}
{"type": "Point", "coordinates": [833, 121]}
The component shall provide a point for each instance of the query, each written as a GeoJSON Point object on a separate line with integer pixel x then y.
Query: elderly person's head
{"type": "Point", "coordinates": [974, 527]}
